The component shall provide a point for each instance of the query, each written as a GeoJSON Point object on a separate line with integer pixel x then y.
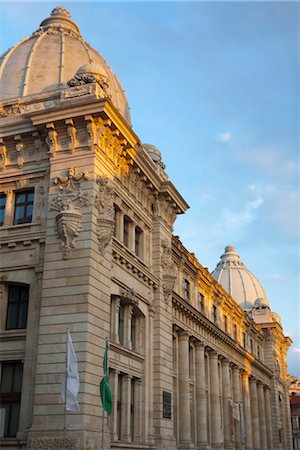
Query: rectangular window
{"type": "Point", "coordinates": [138, 242]}
{"type": "Point", "coordinates": [234, 334]}
{"type": "Point", "coordinates": [226, 324]}
{"type": "Point", "coordinates": [167, 410]}
{"type": "Point", "coordinates": [186, 290]}
{"type": "Point", "coordinates": [126, 227]}
{"type": "Point", "coordinates": [251, 346]}
{"type": "Point", "coordinates": [258, 352]}
{"type": "Point", "coordinates": [121, 324]}
{"type": "Point", "coordinates": [133, 332]}
{"type": "Point", "coordinates": [244, 340]}
{"type": "Point", "coordinates": [17, 307]}
{"type": "Point", "coordinates": [201, 302]}
{"type": "Point", "coordinates": [23, 206]}
{"type": "Point", "coordinates": [2, 208]}
{"type": "Point", "coordinates": [10, 394]}
{"type": "Point", "coordinates": [214, 313]}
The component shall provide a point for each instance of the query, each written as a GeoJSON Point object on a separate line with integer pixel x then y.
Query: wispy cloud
{"type": "Point", "coordinates": [224, 137]}
{"type": "Point", "coordinates": [295, 349]}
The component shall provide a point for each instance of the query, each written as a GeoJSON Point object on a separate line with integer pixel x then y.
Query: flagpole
{"type": "Point", "coordinates": [103, 415]}
{"type": "Point", "coordinates": [66, 382]}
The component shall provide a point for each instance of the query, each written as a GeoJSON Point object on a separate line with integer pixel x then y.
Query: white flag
{"type": "Point", "coordinates": [70, 382]}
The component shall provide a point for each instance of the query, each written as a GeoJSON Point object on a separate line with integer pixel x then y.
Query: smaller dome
{"type": "Point", "coordinates": [93, 69]}
{"type": "Point", "coordinates": [154, 154]}
{"type": "Point", "coordinates": [261, 303]}
{"type": "Point", "coordinates": [238, 281]}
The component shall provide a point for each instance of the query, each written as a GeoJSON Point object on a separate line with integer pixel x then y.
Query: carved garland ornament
{"type": "Point", "coordinates": [106, 218]}
{"type": "Point", "coordinates": [68, 203]}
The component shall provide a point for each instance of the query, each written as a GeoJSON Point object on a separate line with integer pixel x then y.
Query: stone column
{"type": "Point", "coordinates": [126, 400]}
{"type": "Point", "coordinates": [268, 418]}
{"type": "Point", "coordinates": [138, 410]}
{"type": "Point", "coordinates": [184, 411]}
{"type": "Point", "coordinates": [201, 406]}
{"type": "Point", "coordinates": [236, 382]}
{"type": "Point", "coordinates": [113, 417]}
{"type": "Point", "coordinates": [150, 421]}
{"type": "Point", "coordinates": [131, 237]}
{"type": "Point", "coordinates": [227, 425]}
{"type": "Point", "coordinates": [248, 424]}
{"type": "Point", "coordinates": [9, 209]}
{"type": "Point", "coordinates": [262, 417]}
{"type": "Point", "coordinates": [215, 407]}
{"type": "Point", "coordinates": [254, 414]}
{"type": "Point", "coordinates": [115, 320]}
{"type": "Point", "coordinates": [127, 325]}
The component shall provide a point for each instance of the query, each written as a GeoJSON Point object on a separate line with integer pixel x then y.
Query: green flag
{"type": "Point", "coordinates": [105, 392]}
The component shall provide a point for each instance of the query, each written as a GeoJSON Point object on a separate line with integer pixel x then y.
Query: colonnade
{"type": "Point", "coordinates": [233, 409]}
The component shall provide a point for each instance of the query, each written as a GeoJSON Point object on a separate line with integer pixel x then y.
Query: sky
{"type": "Point", "coordinates": [215, 86]}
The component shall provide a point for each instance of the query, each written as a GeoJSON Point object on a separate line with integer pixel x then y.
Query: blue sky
{"type": "Point", "coordinates": [215, 86]}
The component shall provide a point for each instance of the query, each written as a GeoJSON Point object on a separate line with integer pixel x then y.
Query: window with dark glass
{"type": "Point", "coordinates": [251, 345]}
{"type": "Point", "coordinates": [17, 307]}
{"type": "Point", "coordinates": [258, 352]}
{"type": "Point", "coordinates": [226, 324]}
{"type": "Point", "coordinates": [121, 324]}
{"type": "Point", "coordinates": [234, 332]}
{"type": "Point", "coordinates": [10, 396]}
{"type": "Point", "coordinates": [126, 229]}
{"type": "Point", "coordinates": [244, 340]}
{"type": "Point", "coordinates": [186, 290]}
{"type": "Point", "coordinates": [23, 206]}
{"type": "Point", "coordinates": [138, 242]}
{"type": "Point", "coordinates": [2, 207]}
{"type": "Point", "coordinates": [133, 332]}
{"type": "Point", "coordinates": [214, 313]}
{"type": "Point", "coordinates": [201, 302]}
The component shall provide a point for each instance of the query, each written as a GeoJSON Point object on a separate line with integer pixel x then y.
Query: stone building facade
{"type": "Point", "coordinates": [86, 215]}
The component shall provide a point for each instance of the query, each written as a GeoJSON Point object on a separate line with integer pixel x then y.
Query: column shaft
{"type": "Point", "coordinates": [226, 405]}
{"type": "Point", "coordinates": [201, 406]}
{"type": "Point", "coordinates": [268, 418]}
{"type": "Point", "coordinates": [126, 397]}
{"type": "Point", "coordinates": [262, 417]}
{"type": "Point", "coordinates": [248, 423]}
{"type": "Point", "coordinates": [254, 414]}
{"type": "Point", "coordinates": [184, 391]}
{"type": "Point", "coordinates": [215, 407]}
{"type": "Point", "coordinates": [236, 381]}
{"type": "Point", "coordinates": [113, 418]}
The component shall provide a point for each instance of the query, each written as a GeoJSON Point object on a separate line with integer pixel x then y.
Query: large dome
{"type": "Point", "coordinates": [238, 281]}
{"type": "Point", "coordinates": [51, 57]}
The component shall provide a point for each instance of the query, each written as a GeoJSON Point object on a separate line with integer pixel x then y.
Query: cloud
{"type": "Point", "coordinates": [224, 137]}
{"type": "Point", "coordinates": [295, 349]}
{"type": "Point", "coordinates": [236, 220]}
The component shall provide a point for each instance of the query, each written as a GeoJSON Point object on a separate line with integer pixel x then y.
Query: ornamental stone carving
{"type": "Point", "coordinates": [11, 110]}
{"type": "Point", "coordinates": [20, 151]}
{"type": "Point", "coordinates": [106, 218]}
{"type": "Point", "coordinates": [53, 444]}
{"type": "Point", "coordinates": [3, 156]}
{"type": "Point", "coordinates": [72, 135]}
{"type": "Point", "coordinates": [168, 266]}
{"type": "Point", "coordinates": [51, 139]}
{"type": "Point", "coordinates": [68, 203]}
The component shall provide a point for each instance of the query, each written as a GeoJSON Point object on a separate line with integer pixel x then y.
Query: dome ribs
{"type": "Point", "coordinates": [24, 81]}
